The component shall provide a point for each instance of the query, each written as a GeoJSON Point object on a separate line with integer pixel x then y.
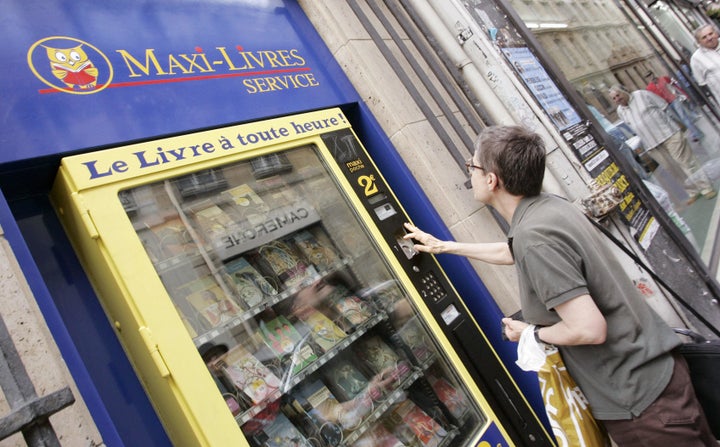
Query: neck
{"type": "Point", "coordinates": [506, 204]}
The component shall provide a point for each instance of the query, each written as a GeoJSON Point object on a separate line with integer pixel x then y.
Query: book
{"type": "Point", "coordinates": [249, 285]}
{"type": "Point", "coordinates": [353, 310]}
{"type": "Point", "coordinates": [454, 399]}
{"type": "Point", "coordinates": [323, 331]}
{"type": "Point", "coordinates": [286, 343]}
{"type": "Point", "coordinates": [416, 339]}
{"type": "Point", "coordinates": [316, 411]}
{"type": "Point", "coordinates": [248, 374]}
{"type": "Point", "coordinates": [210, 302]}
{"type": "Point", "coordinates": [345, 380]}
{"type": "Point", "coordinates": [280, 259]}
{"type": "Point", "coordinates": [380, 357]}
{"type": "Point", "coordinates": [320, 254]}
{"type": "Point", "coordinates": [282, 433]}
{"type": "Point", "coordinates": [213, 221]}
{"type": "Point", "coordinates": [412, 425]}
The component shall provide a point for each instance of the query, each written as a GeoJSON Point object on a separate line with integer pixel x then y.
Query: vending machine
{"type": "Point", "coordinates": [258, 279]}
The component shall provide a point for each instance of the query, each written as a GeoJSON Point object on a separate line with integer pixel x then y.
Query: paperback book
{"type": "Point", "coordinates": [345, 380]}
{"type": "Point", "coordinates": [353, 310]}
{"type": "Point", "coordinates": [454, 399]}
{"type": "Point", "coordinates": [287, 344]}
{"type": "Point", "coordinates": [250, 286]}
{"type": "Point", "coordinates": [213, 221]}
{"type": "Point", "coordinates": [212, 305]}
{"type": "Point", "coordinates": [248, 374]}
{"type": "Point", "coordinates": [280, 259]}
{"type": "Point", "coordinates": [412, 425]}
{"type": "Point", "coordinates": [416, 339]}
{"type": "Point", "coordinates": [324, 332]}
{"type": "Point", "coordinates": [322, 255]}
{"type": "Point", "coordinates": [380, 357]}
{"type": "Point", "coordinates": [316, 411]}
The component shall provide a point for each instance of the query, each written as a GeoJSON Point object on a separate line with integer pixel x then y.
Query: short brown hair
{"type": "Point", "coordinates": [516, 155]}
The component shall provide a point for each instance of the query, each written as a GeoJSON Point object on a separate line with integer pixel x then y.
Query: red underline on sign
{"type": "Point", "coordinates": [187, 79]}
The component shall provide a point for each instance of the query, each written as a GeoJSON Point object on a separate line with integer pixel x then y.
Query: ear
{"type": "Point", "coordinates": [492, 181]}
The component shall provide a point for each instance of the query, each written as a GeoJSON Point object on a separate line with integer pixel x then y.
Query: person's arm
{"type": "Point", "coordinates": [697, 68]}
{"type": "Point", "coordinates": [581, 324]}
{"type": "Point", "coordinates": [490, 252]}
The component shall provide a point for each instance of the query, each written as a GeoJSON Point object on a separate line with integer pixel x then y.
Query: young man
{"type": "Point", "coordinates": [618, 350]}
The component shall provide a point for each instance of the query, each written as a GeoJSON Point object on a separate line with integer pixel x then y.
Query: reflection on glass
{"type": "Point", "coordinates": [306, 333]}
{"type": "Point", "coordinates": [603, 43]}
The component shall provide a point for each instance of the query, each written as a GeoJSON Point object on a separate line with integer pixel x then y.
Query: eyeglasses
{"type": "Point", "coordinates": [471, 167]}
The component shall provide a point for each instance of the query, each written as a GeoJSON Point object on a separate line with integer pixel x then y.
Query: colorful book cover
{"type": "Point", "coordinates": [286, 343]}
{"type": "Point", "coordinates": [416, 425]}
{"type": "Point", "coordinates": [454, 399]}
{"type": "Point", "coordinates": [211, 303]}
{"type": "Point", "coordinates": [345, 380]}
{"type": "Point", "coordinates": [282, 433]}
{"type": "Point", "coordinates": [248, 374]}
{"type": "Point", "coordinates": [324, 332]}
{"type": "Point", "coordinates": [416, 339]}
{"type": "Point", "coordinates": [284, 263]}
{"type": "Point", "coordinates": [250, 286]}
{"type": "Point", "coordinates": [321, 255]}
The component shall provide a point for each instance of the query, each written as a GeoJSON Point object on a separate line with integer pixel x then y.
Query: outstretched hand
{"type": "Point", "coordinates": [425, 242]}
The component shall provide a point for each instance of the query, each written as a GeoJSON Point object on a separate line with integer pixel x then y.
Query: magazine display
{"type": "Point", "coordinates": [323, 341]}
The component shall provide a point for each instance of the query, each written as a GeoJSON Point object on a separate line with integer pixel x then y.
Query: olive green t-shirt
{"type": "Point", "coordinates": [559, 256]}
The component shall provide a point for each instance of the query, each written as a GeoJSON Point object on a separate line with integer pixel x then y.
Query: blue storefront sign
{"type": "Point", "coordinates": [88, 74]}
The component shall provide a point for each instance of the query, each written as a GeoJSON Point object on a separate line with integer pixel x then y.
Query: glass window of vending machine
{"type": "Point", "coordinates": [252, 290]}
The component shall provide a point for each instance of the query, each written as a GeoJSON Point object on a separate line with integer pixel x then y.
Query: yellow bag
{"type": "Point", "coordinates": [571, 421]}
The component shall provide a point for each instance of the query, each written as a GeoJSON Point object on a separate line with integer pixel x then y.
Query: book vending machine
{"type": "Point", "coordinates": [257, 278]}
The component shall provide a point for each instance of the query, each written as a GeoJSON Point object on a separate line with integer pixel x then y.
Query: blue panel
{"type": "Point", "coordinates": [158, 67]}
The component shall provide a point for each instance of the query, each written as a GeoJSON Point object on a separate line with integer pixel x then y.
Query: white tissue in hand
{"type": "Point", "coordinates": [531, 354]}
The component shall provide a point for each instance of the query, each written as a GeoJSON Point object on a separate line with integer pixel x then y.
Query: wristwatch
{"type": "Point", "coordinates": [536, 333]}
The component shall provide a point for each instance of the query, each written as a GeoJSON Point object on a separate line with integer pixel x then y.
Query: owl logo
{"type": "Point", "coordinates": [69, 65]}
{"type": "Point", "coordinates": [72, 67]}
